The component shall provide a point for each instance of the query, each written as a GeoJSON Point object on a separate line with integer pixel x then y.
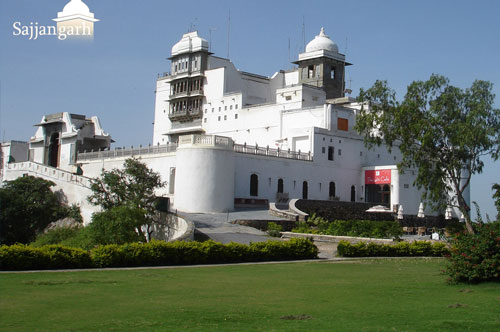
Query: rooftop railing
{"type": "Point", "coordinates": [117, 153]}
{"type": "Point", "coordinates": [277, 153]}
{"type": "Point", "coordinates": [200, 140]}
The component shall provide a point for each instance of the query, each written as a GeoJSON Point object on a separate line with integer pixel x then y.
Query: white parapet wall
{"type": "Point", "coordinates": [205, 174]}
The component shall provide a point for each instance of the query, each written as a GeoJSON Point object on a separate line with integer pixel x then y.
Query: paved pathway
{"type": "Point", "coordinates": [217, 226]}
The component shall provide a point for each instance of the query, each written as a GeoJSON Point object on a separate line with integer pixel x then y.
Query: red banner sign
{"type": "Point", "coordinates": [382, 176]}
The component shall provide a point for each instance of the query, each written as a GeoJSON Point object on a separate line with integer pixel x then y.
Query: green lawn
{"type": "Point", "coordinates": [370, 295]}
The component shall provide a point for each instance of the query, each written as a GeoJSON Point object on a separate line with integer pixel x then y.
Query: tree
{"type": "Point", "coordinates": [441, 130]}
{"type": "Point", "coordinates": [133, 186]}
{"type": "Point", "coordinates": [118, 225]}
{"type": "Point", "coordinates": [27, 206]}
{"type": "Point", "coordinates": [496, 197]}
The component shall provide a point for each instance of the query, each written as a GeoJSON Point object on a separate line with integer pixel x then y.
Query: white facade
{"type": "Point", "coordinates": [223, 136]}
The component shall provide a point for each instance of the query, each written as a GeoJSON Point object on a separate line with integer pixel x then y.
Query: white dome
{"type": "Point", "coordinates": [322, 42]}
{"type": "Point", "coordinates": [75, 7]}
{"type": "Point", "coordinates": [190, 42]}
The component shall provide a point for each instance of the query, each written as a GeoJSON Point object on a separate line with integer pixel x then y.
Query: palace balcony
{"type": "Point", "coordinates": [185, 115]}
{"type": "Point", "coordinates": [183, 94]}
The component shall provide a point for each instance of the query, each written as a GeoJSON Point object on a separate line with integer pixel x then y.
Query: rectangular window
{"type": "Point", "coordinates": [212, 109]}
{"type": "Point", "coordinates": [236, 116]}
{"type": "Point", "coordinates": [218, 118]}
{"type": "Point", "coordinates": [225, 108]}
{"type": "Point", "coordinates": [323, 150]}
{"type": "Point", "coordinates": [205, 120]}
{"type": "Point", "coordinates": [310, 71]}
{"type": "Point", "coordinates": [330, 152]}
{"type": "Point", "coordinates": [219, 108]}
{"type": "Point", "coordinates": [288, 98]}
{"type": "Point", "coordinates": [343, 124]}
{"type": "Point", "coordinates": [230, 107]}
{"type": "Point", "coordinates": [225, 117]}
{"type": "Point", "coordinates": [340, 152]}
{"type": "Point", "coordinates": [236, 106]}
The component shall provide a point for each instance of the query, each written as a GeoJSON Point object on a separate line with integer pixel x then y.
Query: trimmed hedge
{"type": "Point", "coordinates": [401, 249]}
{"type": "Point", "coordinates": [25, 257]}
{"type": "Point", "coordinates": [154, 253]}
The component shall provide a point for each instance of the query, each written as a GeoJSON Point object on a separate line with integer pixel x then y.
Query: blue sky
{"type": "Point", "coordinates": [113, 77]}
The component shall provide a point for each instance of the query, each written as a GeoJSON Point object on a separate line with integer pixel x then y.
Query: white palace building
{"type": "Point", "coordinates": [224, 137]}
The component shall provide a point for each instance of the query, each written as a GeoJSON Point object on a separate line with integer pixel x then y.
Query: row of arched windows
{"type": "Point", "coordinates": [254, 188]}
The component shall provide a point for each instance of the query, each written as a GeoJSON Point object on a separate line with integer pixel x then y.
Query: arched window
{"type": "Point", "coordinates": [280, 186]}
{"type": "Point", "coordinates": [304, 190]}
{"type": "Point", "coordinates": [254, 185]}
{"type": "Point", "coordinates": [353, 194]}
{"type": "Point", "coordinates": [331, 190]}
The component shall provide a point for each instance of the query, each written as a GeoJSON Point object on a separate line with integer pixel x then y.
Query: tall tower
{"type": "Point", "coordinates": [189, 62]}
{"type": "Point", "coordinates": [322, 66]}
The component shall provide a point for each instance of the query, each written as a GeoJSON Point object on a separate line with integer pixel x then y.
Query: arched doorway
{"type": "Point", "coordinates": [54, 150]}
{"type": "Point", "coordinates": [280, 186]}
{"type": "Point", "coordinates": [353, 193]}
{"type": "Point", "coordinates": [331, 190]}
{"type": "Point", "coordinates": [304, 190]}
{"type": "Point", "coordinates": [254, 185]}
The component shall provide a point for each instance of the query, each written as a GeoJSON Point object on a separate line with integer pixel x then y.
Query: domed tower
{"type": "Point", "coordinates": [189, 62]}
{"type": "Point", "coordinates": [322, 66]}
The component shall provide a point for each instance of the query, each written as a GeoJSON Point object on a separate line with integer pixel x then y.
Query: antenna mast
{"type": "Point", "coordinates": [210, 38]}
{"type": "Point", "coordinates": [228, 29]}
{"type": "Point", "coordinates": [348, 91]}
{"type": "Point", "coordinates": [303, 34]}
{"type": "Point", "coordinates": [289, 62]}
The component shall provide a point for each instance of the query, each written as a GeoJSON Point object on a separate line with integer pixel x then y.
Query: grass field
{"type": "Point", "coordinates": [369, 295]}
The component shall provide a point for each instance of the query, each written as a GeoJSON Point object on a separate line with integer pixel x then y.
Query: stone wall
{"type": "Point", "coordinates": [337, 210]}
{"type": "Point", "coordinates": [262, 224]}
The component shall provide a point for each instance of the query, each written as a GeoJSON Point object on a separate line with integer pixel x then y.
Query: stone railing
{"type": "Point", "coordinates": [206, 140]}
{"type": "Point", "coordinates": [49, 172]}
{"type": "Point", "coordinates": [277, 153]}
{"type": "Point", "coordinates": [117, 153]}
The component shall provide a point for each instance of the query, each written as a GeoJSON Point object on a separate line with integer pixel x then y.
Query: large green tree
{"type": "Point", "coordinates": [441, 130]}
{"type": "Point", "coordinates": [133, 186]}
{"type": "Point", "coordinates": [27, 206]}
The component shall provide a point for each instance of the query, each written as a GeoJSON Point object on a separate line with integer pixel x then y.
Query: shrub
{"type": "Point", "coordinates": [55, 236]}
{"type": "Point", "coordinates": [303, 227]}
{"type": "Point", "coordinates": [401, 249]}
{"type": "Point", "coordinates": [61, 257]}
{"type": "Point", "coordinates": [110, 255]}
{"type": "Point", "coordinates": [24, 257]}
{"type": "Point", "coordinates": [274, 229]}
{"type": "Point", "coordinates": [475, 257]}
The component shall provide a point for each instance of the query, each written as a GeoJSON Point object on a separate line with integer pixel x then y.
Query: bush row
{"type": "Point", "coordinates": [154, 253]}
{"type": "Point", "coordinates": [401, 249]}
{"type": "Point", "coordinates": [358, 228]}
